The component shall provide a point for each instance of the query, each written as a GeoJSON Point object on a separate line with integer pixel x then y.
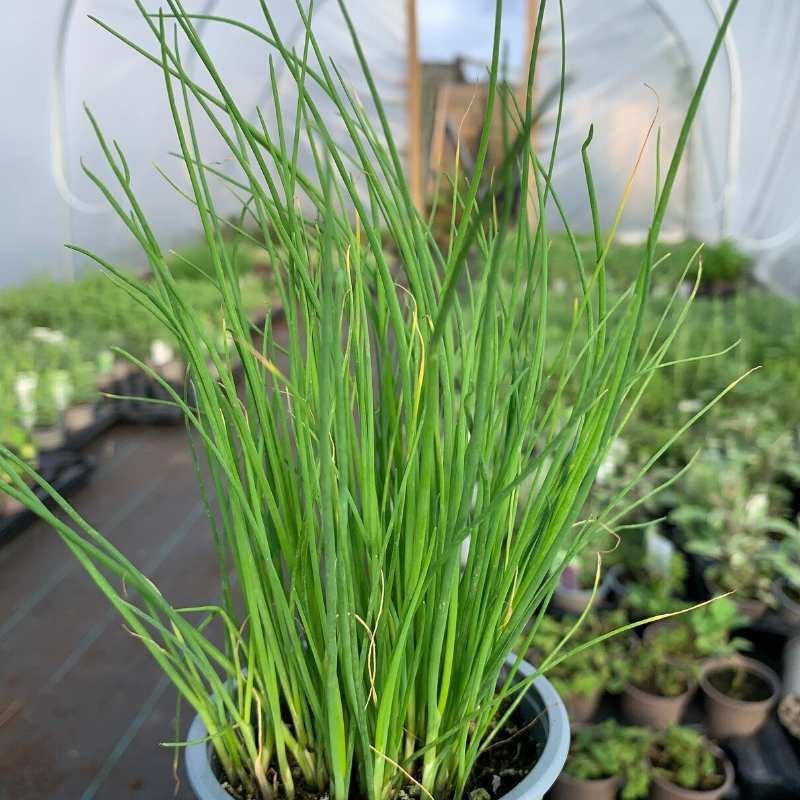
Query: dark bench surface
{"type": "Point", "coordinates": [83, 706]}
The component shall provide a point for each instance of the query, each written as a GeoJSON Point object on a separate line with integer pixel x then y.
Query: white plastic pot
{"type": "Point", "coordinates": [541, 705]}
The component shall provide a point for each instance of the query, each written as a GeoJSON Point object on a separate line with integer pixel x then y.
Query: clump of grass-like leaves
{"type": "Point", "coordinates": [401, 412]}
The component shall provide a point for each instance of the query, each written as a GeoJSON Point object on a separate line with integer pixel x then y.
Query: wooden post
{"type": "Point", "coordinates": [532, 204]}
{"type": "Point", "coordinates": [414, 149]}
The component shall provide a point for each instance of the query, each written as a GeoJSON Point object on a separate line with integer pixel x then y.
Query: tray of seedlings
{"type": "Point", "coordinates": [65, 471]}
{"type": "Point", "coordinates": [687, 706]}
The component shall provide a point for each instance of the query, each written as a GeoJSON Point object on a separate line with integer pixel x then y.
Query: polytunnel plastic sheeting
{"type": "Point", "coordinates": [742, 168]}
{"type": "Point", "coordinates": [54, 59]}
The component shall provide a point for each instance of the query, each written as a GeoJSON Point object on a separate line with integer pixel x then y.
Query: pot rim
{"type": "Point", "coordinates": [694, 794]}
{"type": "Point", "coordinates": [535, 784]}
{"type": "Point", "coordinates": [779, 588]}
{"type": "Point", "coordinates": [607, 584]}
{"type": "Point", "coordinates": [567, 778]}
{"type": "Point", "coordinates": [753, 666]}
{"type": "Point", "coordinates": [633, 689]}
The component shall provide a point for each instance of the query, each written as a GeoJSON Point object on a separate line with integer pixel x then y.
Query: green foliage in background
{"type": "Point", "coordinates": [603, 667]}
{"type": "Point", "coordinates": [611, 750]}
{"type": "Point", "coordinates": [686, 758]}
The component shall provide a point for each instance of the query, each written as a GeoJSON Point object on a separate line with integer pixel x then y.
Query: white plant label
{"type": "Point", "coordinates": [62, 389]}
{"type": "Point", "coordinates": [25, 389]}
{"type": "Point", "coordinates": [658, 552]}
{"type": "Point", "coordinates": [161, 353]}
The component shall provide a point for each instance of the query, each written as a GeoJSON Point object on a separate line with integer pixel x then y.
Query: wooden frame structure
{"type": "Point", "coordinates": [415, 148]}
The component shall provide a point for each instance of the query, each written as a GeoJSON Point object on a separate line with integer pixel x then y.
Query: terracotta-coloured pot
{"type": "Point", "coordinates": [78, 418]}
{"type": "Point", "coordinates": [569, 788]}
{"type": "Point", "coordinates": [9, 506]}
{"type": "Point", "coordinates": [727, 716]}
{"type": "Point", "coordinates": [582, 707]}
{"type": "Point", "coordinates": [105, 382]}
{"type": "Point", "coordinates": [643, 708]}
{"type": "Point", "coordinates": [573, 600]}
{"type": "Point", "coordinates": [122, 371]}
{"type": "Point", "coordinates": [173, 371]}
{"type": "Point", "coordinates": [662, 789]}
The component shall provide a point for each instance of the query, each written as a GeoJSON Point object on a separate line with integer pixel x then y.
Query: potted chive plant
{"type": "Point", "coordinates": [359, 658]}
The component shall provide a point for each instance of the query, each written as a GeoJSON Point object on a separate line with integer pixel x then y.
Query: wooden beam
{"type": "Point", "coordinates": [415, 177]}
{"type": "Point", "coordinates": [533, 15]}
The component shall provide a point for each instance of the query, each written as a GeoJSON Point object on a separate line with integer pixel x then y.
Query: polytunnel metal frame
{"type": "Point", "coordinates": [58, 128]}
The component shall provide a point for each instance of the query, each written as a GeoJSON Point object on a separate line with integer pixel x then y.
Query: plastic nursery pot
{"type": "Point", "coordinates": [789, 707]}
{"type": "Point", "coordinates": [791, 666]}
{"type": "Point", "coordinates": [9, 506]}
{"type": "Point", "coordinates": [542, 707]}
{"type": "Point", "coordinates": [582, 707]}
{"type": "Point", "coordinates": [643, 708]}
{"type": "Point", "coordinates": [569, 788]}
{"type": "Point", "coordinates": [78, 418]}
{"type": "Point", "coordinates": [173, 371]}
{"type": "Point", "coordinates": [788, 603]}
{"type": "Point", "coordinates": [662, 789]}
{"type": "Point", "coordinates": [748, 606]}
{"type": "Point", "coordinates": [729, 716]}
{"type": "Point", "coordinates": [51, 438]}
{"type": "Point", "coordinates": [573, 599]}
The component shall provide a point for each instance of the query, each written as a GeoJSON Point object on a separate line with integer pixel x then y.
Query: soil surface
{"type": "Point", "coordinates": [512, 755]}
{"type": "Point", "coordinates": [740, 685]}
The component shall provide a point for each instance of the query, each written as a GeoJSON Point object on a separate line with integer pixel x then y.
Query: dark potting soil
{"type": "Point", "coordinates": [511, 756]}
{"type": "Point", "coordinates": [740, 685]}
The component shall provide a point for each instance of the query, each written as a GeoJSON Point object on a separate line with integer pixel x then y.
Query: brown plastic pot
{"type": "Point", "coordinates": [574, 600]}
{"type": "Point", "coordinates": [569, 788]}
{"type": "Point", "coordinates": [727, 716]}
{"type": "Point", "coordinates": [582, 707]}
{"type": "Point", "coordinates": [643, 708]}
{"type": "Point", "coordinates": [9, 506]}
{"type": "Point", "coordinates": [173, 371]}
{"type": "Point", "coordinates": [78, 418]}
{"type": "Point", "coordinates": [662, 789]}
